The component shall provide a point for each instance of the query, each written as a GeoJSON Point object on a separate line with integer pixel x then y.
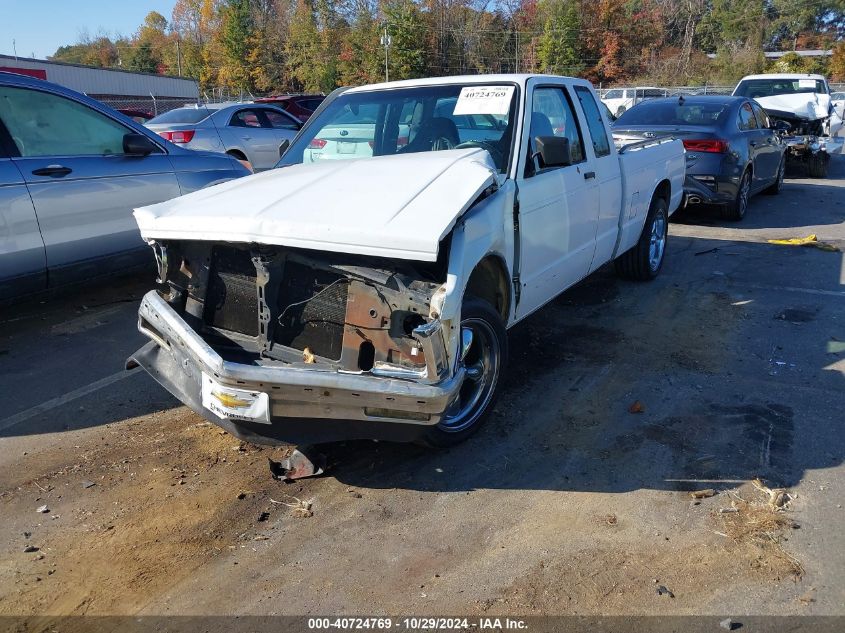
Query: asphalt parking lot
{"type": "Point", "coordinates": [574, 499]}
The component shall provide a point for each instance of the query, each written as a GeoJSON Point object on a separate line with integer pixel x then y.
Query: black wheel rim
{"type": "Point", "coordinates": [481, 360]}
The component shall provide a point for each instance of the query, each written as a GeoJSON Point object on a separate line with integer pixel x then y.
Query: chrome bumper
{"type": "Point", "coordinates": [295, 393]}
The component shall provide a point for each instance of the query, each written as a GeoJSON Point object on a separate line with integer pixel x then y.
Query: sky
{"type": "Point", "coordinates": [39, 27]}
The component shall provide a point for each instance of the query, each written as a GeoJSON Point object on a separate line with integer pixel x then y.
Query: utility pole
{"type": "Point", "coordinates": [386, 41]}
{"type": "Point", "coordinates": [178, 58]}
{"type": "Point", "coordinates": [15, 49]}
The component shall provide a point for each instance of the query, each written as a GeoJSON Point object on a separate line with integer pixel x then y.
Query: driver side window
{"type": "Point", "coordinates": [552, 115]}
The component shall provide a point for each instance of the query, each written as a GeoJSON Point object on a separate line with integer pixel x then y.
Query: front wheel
{"type": "Point", "coordinates": [483, 354]}
{"type": "Point", "coordinates": [644, 260]}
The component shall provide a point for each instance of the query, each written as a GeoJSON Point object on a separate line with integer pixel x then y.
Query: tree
{"type": "Point", "coordinates": [142, 59]}
{"type": "Point", "coordinates": [837, 63]}
{"type": "Point", "coordinates": [559, 47]}
{"type": "Point", "coordinates": [235, 38]}
{"type": "Point", "coordinates": [304, 60]}
{"type": "Point", "coordinates": [407, 55]}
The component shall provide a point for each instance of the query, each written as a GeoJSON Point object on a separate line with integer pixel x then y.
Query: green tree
{"type": "Point", "coordinates": [406, 26]}
{"type": "Point", "coordinates": [304, 60]}
{"type": "Point", "coordinates": [142, 59]}
{"type": "Point", "coordinates": [559, 47]}
{"type": "Point", "coordinates": [236, 37]}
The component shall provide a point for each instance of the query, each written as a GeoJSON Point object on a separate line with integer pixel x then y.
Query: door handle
{"type": "Point", "coordinates": [753, 143]}
{"type": "Point", "coordinates": [589, 174]}
{"type": "Point", "coordinates": [55, 171]}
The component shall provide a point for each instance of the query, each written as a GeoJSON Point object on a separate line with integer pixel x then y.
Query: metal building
{"type": "Point", "coordinates": [118, 88]}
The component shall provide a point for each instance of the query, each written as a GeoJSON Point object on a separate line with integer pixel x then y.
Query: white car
{"type": "Point", "coordinates": [803, 101]}
{"type": "Point", "coordinates": [369, 297]}
{"type": "Point", "coordinates": [803, 105]}
{"type": "Point", "coordinates": [618, 100]}
{"type": "Point", "coordinates": [838, 101]}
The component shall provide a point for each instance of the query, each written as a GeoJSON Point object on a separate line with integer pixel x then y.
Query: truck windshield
{"type": "Point", "coordinates": [754, 88]}
{"type": "Point", "coordinates": [408, 120]}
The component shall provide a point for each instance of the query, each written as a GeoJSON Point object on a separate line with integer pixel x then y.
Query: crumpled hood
{"type": "Point", "coordinates": [806, 105]}
{"type": "Point", "coordinates": [390, 206]}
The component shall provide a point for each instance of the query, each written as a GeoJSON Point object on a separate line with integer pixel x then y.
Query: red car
{"type": "Point", "coordinates": [300, 106]}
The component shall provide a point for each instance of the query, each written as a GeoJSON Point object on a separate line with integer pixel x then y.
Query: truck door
{"type": "Point", "coordinates": [558, 205]}
{"type": "Point", "coordinates": [608, 176]}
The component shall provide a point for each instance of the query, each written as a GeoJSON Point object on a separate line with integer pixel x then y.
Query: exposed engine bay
{"type": "Point", "coordinates": [800, 126]}
{"type": "Point", "coordinates": [256, 303]}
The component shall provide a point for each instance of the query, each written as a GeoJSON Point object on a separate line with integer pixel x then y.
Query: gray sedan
{"type": "Point", "coordinates": [733, 149]}
{"type": "Point", "coordinates": [71, 172]}
{"type": "Point", "coordinates": [247, 131]}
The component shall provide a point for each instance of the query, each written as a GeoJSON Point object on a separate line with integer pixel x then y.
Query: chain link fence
{"type": "Point", "coordinates": [151, 106]}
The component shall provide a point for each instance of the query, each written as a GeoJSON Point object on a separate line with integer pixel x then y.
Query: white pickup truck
{"type": "Point", "coordinates": [369, 297]}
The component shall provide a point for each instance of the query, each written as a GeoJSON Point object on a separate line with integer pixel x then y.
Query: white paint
{"type": "Point", "coordinates": [390, 206]}
{"type": "Point", "coordinates": [62, 400]}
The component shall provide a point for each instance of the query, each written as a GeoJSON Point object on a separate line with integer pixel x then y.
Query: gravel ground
{"type": "Point", "coordinates": [568, 502]}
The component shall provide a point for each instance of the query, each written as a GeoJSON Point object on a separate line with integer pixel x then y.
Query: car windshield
{"type": "Point", "coordinates": [182, 115]}
{"type": "Point", "coordinates": [409, 120]}
{"type": "Point", "coordinates": [754, 88]}
{"type": "Point", "coordinates": [673, 113]}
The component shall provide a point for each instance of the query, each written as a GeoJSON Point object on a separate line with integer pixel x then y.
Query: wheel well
{"type": "Point", "coordinates": [664, 190]}
{"type": "Point", "coordinates": [489, 281]}
{"type": "Point", "coordinates": [237, 154]}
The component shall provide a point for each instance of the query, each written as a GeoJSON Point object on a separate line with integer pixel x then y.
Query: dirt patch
{"type": "Point", "coordinates": [170, 493]}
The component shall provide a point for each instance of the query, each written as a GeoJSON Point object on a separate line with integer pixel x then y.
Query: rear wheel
{"type": "Point", "coordinates": [777, 185]}
{"type": "Point", "coordinates": [645, 259]}
{"type": "Point", "coordinates": [736, 210]}
{"type": "Point", "coordinates": [483, 355]}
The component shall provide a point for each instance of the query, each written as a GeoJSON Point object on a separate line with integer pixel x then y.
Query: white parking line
{"type": "Point", "coordinates": [70, 396]}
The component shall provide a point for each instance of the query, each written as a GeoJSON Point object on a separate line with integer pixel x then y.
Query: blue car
{"type": "Point", "coordinates": [733, 150]}
{"type": "Point", "coordinates": [71, 172]}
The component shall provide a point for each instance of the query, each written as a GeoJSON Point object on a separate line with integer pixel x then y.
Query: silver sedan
{"type": "Point", "coordinates": [247, 131]}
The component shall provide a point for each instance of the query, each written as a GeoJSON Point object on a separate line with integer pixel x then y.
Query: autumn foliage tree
{"type": "Point", "coordinates": [258, 46]}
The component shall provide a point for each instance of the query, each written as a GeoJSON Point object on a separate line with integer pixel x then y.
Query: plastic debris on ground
{"type": "Point", "coordinates": [810, 240]}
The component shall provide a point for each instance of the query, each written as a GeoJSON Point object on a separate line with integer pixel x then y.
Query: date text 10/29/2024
{"type": "Point", "coordinates": [416, 624]}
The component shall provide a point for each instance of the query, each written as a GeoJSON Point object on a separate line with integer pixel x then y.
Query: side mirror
{"type": "Point", "coordinates": [782, 126]}
{"type": "Point", "coordinates": [138, 145]}
{"type": "Point", "coordinates": [283, 147]}
{"type": "Point", "coordinates": [553, 151]}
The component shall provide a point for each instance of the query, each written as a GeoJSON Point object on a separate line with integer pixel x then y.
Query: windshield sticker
{"type": "Point", "coordinates": [484, 100]}
{"type": "Point", "coordinates": [806, 83]}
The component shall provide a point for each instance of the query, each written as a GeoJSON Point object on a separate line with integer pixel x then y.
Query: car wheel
{"type": "Point", "coordinates": [644, 261]}
{"type": "Point", "coordinates": [777, 185]}
{"type": "Point", "coordinates": [484, 355]}
{"type": "Point", "coordinates": [817, 165]}
{"type": "Point", "coordinates": [736, 210]}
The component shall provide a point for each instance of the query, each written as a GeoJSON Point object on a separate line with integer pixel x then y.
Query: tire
{"type": "Point", "coordinates": [486, 357]}
{"type": "Point", "coordinates": [735, 211]}
{"type": "Point", "coordinates": [644, 261]}
{"type": "Point", "coordinates": [817, 165]}
{"type": "Point", "coordinates": [776, 187]}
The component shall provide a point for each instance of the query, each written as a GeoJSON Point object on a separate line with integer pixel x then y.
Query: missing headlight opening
{"type": "Point", "coordinates": [269, 305]}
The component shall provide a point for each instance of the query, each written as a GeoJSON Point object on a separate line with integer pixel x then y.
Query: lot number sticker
{"type": "Point", "coordinates": [484, 100]}
{"type": "Point", "coordinates": [806, 83]}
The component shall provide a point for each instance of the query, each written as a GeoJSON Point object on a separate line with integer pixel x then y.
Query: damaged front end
{"type": "Point", "coordinates": [287, 345]}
